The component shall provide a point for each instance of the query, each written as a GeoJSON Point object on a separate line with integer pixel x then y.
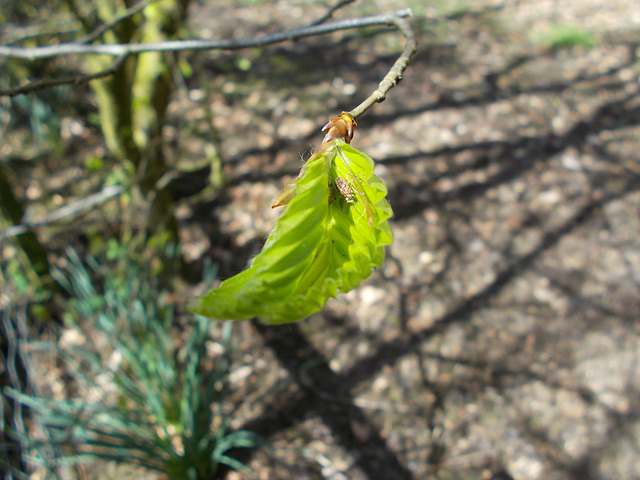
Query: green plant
{"type": "Point", "coordinates": [560, 37]}
{"type": "Point", "coordinates": [146, 402]}
{"type": "Point", "coordinates": [328, 239]}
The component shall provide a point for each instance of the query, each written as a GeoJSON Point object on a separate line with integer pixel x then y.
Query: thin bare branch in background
{"type": "Point", "coordinates": [77, 80]}
{"type": "Point", "coordinates": [332, 10]}
{"type": "Point", "coordinates": [83, 206]}
{"type": "Point", "coordinates": [51, 51]}
{"type": "Point", "coordinates": [396, 19]}
{"type": "Point", "coordinates": [12, 35]}
{"type": "Point", "coordinates": [130, 12]}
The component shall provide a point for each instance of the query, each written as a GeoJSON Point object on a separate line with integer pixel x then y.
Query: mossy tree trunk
{"type": "Point", "coordinates": [133, 102]}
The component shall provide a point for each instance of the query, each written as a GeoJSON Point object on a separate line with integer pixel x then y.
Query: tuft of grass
{"type": "Point", "coordinates": [146, 400]}
{"type": "Point", "coordinates": [561, 37]}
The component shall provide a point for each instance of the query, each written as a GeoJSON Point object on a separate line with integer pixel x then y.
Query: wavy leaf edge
{"type": "Point", "coordinates": [276, 287]}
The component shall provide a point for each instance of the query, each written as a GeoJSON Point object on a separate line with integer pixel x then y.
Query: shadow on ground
{"type": "Point", "coordinates": [500, 338]}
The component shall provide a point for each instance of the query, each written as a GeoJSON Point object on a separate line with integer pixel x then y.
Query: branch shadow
{"type": "Point", "coordinates": [336, 404]}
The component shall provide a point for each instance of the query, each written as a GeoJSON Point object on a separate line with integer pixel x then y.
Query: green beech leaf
{"type": "Point", "coordinates": [324, 243]}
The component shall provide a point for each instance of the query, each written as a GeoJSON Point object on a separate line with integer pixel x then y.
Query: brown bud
{"type": "Point", "coordinates": [341, 127]}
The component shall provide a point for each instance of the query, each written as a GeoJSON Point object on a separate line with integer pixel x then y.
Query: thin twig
{"type": "Point", "coordinates": [130, 12]}
{"type": "Point", "coordinates": [329, 13]}
{"type": "Point", "coordinates": [83, 19]}
{"type": "Point", "coordinates": [50, 51]}
{"type": "Point", "coordinates": [394, 76]}
{"type": "Point", "coordinates": [390, 80]}
{"type": "Point", "coordinates": [77, 80]}
{"type": "Point", "coordinates": [27, 33]}
{"type": "Point", "coordinates": [82, 205]}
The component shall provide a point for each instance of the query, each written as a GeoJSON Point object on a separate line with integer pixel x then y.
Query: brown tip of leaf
{"type": "Point", "coordinates": [287, 194]}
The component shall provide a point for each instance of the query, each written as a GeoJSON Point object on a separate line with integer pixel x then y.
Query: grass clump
{"type": "Point", "coordinates": [142, 398]}
{"type": "Point", "coordinates": [561, 37]}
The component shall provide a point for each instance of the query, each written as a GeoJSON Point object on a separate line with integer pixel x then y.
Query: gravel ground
{"type": "Point", "coordinates": [500, 338]}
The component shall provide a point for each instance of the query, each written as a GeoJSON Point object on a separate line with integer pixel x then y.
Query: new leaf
{"type": "Point", "coordinates": [322, 244]}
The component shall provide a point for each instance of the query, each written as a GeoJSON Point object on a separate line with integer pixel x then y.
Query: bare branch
{"type": "Point", "coordinates": [130, 12]}
{"type": "Point", "coordinates": [332, 10]}
{"type": "Point", "coordinates": [11, 35]}
{"type": "Point", "coordinates": [83, 205]}
{"type": "Point", "coordinates": [394, 76]}
{"type": "Point", "coordinates": [78, 80]}
{"type": "Point", "coordinates": [51, 51]}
